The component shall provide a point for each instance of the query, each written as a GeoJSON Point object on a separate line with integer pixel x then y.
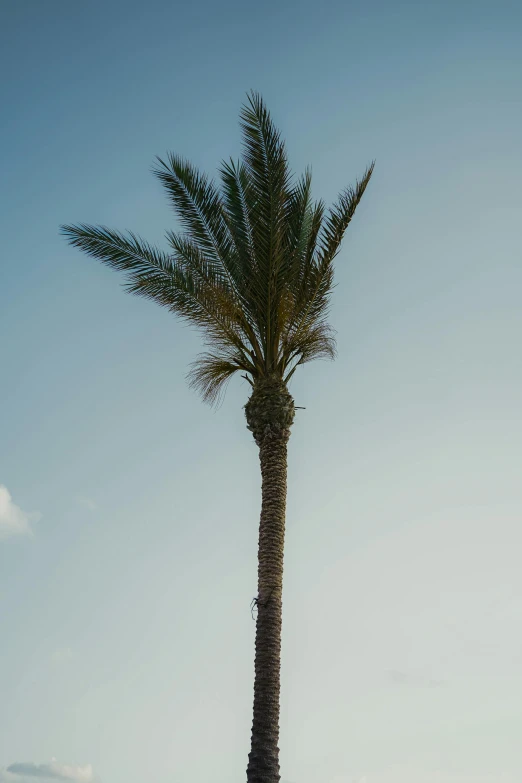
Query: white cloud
{"type": "Point", "coordinates": [14, 521]}
{"type": "Point", "coordinates": [20, 772]}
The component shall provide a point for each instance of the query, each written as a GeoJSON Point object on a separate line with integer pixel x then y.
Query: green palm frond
{"type": "Point", "coordinates": [266, 165]}
{"type": "Point", "coordinates": [128, 254]}
{"type": "Point", "coordinates": [340, 215]}
{"type": "Point", "coordinates": [317, 282]}
{"type": "Point", "coordinates": [198, 204]}
{"type": "Point", "coordinates": [237, 197]}
{"type": "Point", "coordinates": [253, 268]}
{"type": "Point", "coordinates": [155, 275]}
{"type": "Point", "coordinates": [299, 220]}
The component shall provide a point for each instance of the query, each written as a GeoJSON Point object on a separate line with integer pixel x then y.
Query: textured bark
{"type": "Point", "coordinates": [270, 413]}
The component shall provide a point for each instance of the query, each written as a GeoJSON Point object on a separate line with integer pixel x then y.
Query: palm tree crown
{"type": "Point", "coordinates": [253, 267]}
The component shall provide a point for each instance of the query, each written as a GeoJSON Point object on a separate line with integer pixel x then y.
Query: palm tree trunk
{"type": "Point", "coordinates": [270, 412]}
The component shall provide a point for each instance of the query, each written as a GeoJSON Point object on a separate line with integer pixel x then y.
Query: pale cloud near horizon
{"type": "Point", "coordinates": [22, 771]}
{"type": "Point", "coordinates": [345, 779]}
{"type": "Point", "coordinates": [14, 521]}
{"type": "Point", "coordinates": [409, 775]}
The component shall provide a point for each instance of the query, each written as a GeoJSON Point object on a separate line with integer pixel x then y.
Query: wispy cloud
{"type": "Point", "coordinates": [61, 655]}
{"type": "Point", "coordinates": [413, 679]}
{"type": "Point", "coordinates": [87, 503]}
{"type": "Point", "coordinates": [19, 772]}
{"type": "Point", "coordinates": [14, 521]}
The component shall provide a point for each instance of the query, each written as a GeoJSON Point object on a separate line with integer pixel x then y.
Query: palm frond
{"type": "Point", "coordinates": [128, 254]}
{"type": "Point", "coordinates": [155, 275]}
{"type": "Point", "coordinates": [210, 374]}
{"type": "Point", "coordinates": [340, 215]}
{"type": "Point", "coordinates": [236, 186]}
{"type": "Point", "coordinates": [266, 166]}
{"type": "Point", "coordinates": [318, 279]}
{"type": "Point", "coordinates": [198, 204]}
{"type": "Point", "coordinates": [317, 343]}
{"type": "Point", "coordinates": [299, 220]}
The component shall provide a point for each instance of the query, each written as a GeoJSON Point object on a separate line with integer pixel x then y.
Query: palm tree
{"type": "Point", "coordinates": [253, 270]}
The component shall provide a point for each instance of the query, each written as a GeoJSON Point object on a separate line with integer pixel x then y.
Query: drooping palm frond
{"type": "Point", "coordinates": [210, 372]}
{"type": "Point", "coordinates": [254, 267]}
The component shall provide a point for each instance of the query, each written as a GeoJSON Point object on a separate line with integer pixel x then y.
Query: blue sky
{"type": "Point", "coordinates": [129, 510]}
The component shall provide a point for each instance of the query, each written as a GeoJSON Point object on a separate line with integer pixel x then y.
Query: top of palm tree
{"type": "Point", "coordinates": [253, 268]}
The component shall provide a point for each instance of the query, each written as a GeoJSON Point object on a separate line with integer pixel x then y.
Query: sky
{"type": "Point", "coordinates": [129, 509]}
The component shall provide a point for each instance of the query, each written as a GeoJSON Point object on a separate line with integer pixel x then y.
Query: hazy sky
{"type": "Point", "coordinates": [129, 510]}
